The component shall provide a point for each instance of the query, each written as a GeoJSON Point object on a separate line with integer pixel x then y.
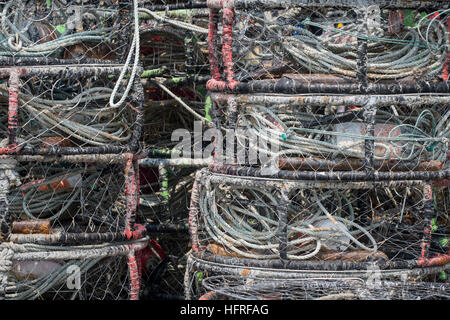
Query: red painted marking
{"type": "Point", "coordinates": [130, 195]}
{"type": "Point", "coordinates": [144, 255]}
{"type": "Point", "coordinates": [447, 60]}
{"type": "Point", "coordinates": [13, 110]}
{"type": "Point", "coordinates": [135, 278]}
{"type": "Point", "coordinates": [227, 33]}
{"type": "Point", "coordinates": [207, 296]}
{"type": "Point", "coordinates": [439, 260]}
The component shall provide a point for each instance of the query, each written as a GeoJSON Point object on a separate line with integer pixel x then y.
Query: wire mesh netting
{"type": "Point", "coordinates": [76, 31]}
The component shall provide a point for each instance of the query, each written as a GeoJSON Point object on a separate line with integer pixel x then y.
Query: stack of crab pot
{"type": "Point", "coordinates": [71, 123]}
{"type": "Point", "coordinates": [174, 56]}
{"type": "Point", "coordinates": [337, 186]}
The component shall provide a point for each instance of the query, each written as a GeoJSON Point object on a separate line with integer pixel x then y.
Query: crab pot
{"type": "Point", "coordinates": [333, 47]}
{"type": "Point", "coordinates": [400, 133]}
{"type": "Point", "coordinates": [349, 101]}
{"type": "Point", "coordinates": [65, 210]}
{"type": "Point", "coordinates": [98, 272]}
{"type": "Point", "coordinates": [70, 200]}
{"type": "Point", "coordinates": [174, 57]}
{"type": "Point", "coordinates": [67, 111]}
{"type": "Point", "coordinates": [281, 228]}
{"type": "Point", "coordinates": [65, 33]}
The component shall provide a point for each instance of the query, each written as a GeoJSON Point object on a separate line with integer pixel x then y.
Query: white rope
{"type": "Point", "coordinates": [136, 47]}
{"type": "Point", "coordinates": [173, 95]}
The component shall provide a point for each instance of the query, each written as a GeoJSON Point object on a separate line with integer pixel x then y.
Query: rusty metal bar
{"type": "Point", "coordinates": [318, 164]}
